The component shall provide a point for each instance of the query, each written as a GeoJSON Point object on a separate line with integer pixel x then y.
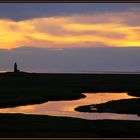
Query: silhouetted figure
{"type": "Point", "coordinates": [15, 68]}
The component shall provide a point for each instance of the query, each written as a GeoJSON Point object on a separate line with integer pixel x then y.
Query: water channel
{"type": "Point", "coordinates": [66, 108]}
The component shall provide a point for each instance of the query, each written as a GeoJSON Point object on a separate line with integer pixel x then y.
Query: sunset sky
{"type": "Point", "coordinates": [65, 27]}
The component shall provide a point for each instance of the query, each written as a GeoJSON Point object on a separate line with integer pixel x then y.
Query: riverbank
{"type": "Point", "coordinates": [18, 96]}
{"type": "Point", "coordinates": [20, 88]}
{"type": "Point", "coordinates": [123, 106]}
{"type": "Point", "coordinates": [43, 126]}
{"type": "Point", "coordinates": [6, 102]}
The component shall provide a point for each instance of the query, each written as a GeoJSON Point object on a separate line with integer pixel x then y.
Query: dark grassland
{"type": "Point", "coordinates": [23, 88]}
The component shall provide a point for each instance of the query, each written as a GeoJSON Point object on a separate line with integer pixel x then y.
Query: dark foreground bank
{"type": "Point", "coordinates": [42, 126]}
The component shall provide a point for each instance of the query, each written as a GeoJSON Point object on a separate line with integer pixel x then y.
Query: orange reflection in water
{"type": "Point", "coordinates": [66, 108]}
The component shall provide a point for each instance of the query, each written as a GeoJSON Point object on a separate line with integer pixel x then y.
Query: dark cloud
{"type": "Point", "coordinates": [21, 11]}
{"type": "Point", "coordinates": [72, 60]}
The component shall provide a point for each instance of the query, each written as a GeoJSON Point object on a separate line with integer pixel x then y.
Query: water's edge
{"type": "Point", "coordinates": [67, 108]}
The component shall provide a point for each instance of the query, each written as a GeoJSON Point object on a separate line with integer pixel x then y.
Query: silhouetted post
{"type": "Point", "coordinates": [15, 67]}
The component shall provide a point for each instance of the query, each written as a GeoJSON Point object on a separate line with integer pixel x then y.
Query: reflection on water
{"type": "Point", "coordinates": [66, 108]}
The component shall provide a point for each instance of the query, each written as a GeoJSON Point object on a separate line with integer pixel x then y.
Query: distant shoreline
{"type": "Point", "coordinates": [80, 72]}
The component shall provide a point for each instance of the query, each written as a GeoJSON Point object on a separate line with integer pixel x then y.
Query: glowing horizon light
{"type": "Point", "coordinates": [2, 71]}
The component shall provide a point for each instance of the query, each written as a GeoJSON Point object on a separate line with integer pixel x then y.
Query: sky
{"type": "Point", "coordinates": [73, 37]}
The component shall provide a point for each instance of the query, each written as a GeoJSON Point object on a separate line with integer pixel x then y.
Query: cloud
{"type": "Point", "coordinates": [76, 30]}
{"type": "Point", "coordinates": [22, 11]}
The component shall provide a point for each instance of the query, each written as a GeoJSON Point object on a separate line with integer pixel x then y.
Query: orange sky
{"type": "Point", "coordinates": [79, 30]}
